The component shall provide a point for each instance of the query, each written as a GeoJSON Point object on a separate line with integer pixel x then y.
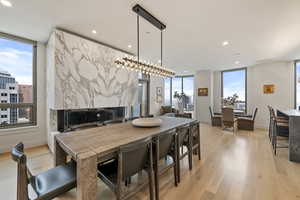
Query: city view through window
{"type": "Point", "coordinates": [234, 83]}
{"type": "Point", "coordinates": [16, 69]}
{"type": "Point", "coordinates": [184, 84]}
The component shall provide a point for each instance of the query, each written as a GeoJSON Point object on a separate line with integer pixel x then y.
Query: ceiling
{"type": "Point", "coordinates": [257, 30]}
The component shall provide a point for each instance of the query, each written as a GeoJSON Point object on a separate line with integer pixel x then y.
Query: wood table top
{"type": "Point", "coordinates": [106, 139]}
{"type": "Point", "coordinates": [290, 113]}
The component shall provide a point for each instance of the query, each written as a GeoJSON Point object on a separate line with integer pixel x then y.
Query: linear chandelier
{"type": "Point", "coordinates": [134, 63]}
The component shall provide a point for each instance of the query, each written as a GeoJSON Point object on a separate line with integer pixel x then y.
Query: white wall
{"type": "Point", "coordinates": [203, 79]}
{"type": "Point", "coordinates": [31, 136]}
{"type": "Point", "coordinates": [281, 74]}
{"type": "Point", "coordinates": [154, 105]}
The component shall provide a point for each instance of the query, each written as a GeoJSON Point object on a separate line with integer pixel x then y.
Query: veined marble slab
{"type": "Point", "coordinates": [82, 74]}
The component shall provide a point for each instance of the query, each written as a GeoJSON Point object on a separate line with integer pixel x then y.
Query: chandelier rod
{"type": "Point", "coordinates": [138, 39]}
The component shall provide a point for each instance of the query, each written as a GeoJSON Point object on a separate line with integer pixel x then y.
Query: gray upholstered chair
{"type": "Point", "coordinates": [216, 119]}
{"type": "Point", "coordinates": [228, 119]}
{"type": "Point", "coordinates": [132, 159]}
{"type": "Point", "coordinates": [165, 147]}
{"type": "Point", "coordinates": [247, 123]}
{"type": "Point", "coordinates": [183, 140]}
{"type": "Point", "coordinates": [48, 184]}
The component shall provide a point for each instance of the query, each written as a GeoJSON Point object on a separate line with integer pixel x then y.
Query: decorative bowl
{"type": "Point", "coordinates": [147, 122]}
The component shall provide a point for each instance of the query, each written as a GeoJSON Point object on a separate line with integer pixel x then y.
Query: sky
{"type": "Point", "coordinates": [234, 82]}
{"type": "Point", "coordinates": [16, 58]}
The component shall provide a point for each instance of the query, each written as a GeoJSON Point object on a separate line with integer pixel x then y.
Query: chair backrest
{"type": "Point", "coordinates": [183, 133]}
{"type": "Point", "coordinates": [134, 157]}
{"type": "Point", "coordinates": [254, 114]}
{"type": "Point", "coordinates": [23, 174]}
{"type": "Point", "coordinates": [228, 115]}
{"type": "Point", "coordinates": [211, 113]}
{"type": "Point", "coordinates": [166, 141]}
{"type": "Point", "coordinates": [194, 127]}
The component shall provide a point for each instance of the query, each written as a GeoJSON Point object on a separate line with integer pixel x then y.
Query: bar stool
{"type": "Point", "coordinates": [277, 125]}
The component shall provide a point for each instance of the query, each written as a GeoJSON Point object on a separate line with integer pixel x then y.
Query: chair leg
{"type": "Point", "coordinates": [156, 184]}
{"type": "Point", "coordinates": [175, 174]}
{"type": "Point", "coordinates": [199, 152]}
{"type": "Point", "coordinates": [150, 174]}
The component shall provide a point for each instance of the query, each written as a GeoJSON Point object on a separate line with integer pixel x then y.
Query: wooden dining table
{"type": "Point", "coordinates": [94, 145]}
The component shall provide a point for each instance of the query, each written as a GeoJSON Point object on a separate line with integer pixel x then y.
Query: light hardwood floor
{"type": "Point", "coordinates": [237, 166]}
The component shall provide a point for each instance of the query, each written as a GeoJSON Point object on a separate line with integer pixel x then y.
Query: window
{"type": "Point", "coordinates": [234, 84]}
{"type": "Point", "coordinates": [297, 84]}
{"type": "Point", "coordinates": [17, 81]}
{"type": "Point", "coordinates": [180, 84]}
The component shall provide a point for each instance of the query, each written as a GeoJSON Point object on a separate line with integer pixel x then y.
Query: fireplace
{"type": "Point", "coordinates": [68, 120]}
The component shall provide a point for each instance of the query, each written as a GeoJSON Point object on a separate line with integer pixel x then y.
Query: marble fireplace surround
{"type": "Point", "coordinates": [81, 74]}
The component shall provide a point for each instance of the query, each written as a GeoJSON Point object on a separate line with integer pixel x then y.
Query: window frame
{"type": "Point", "coordinates": [171, 86]}
{"type": "Point", "coordinates": [295, 83]}
{"type": "Point", "coordinates": [246, 84]}
{"type": "Point", "coordinates": [33, 105]}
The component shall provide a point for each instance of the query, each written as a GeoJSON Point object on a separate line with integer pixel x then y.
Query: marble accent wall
{"type": "Point", "coordinates": [82, 74]}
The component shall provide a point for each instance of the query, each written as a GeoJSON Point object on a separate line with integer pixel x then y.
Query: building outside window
{"type": "Point", "coordinates": [234, 82]}
{"type": "Point", "coordinates": [17, 81]}
{"type": "Point", "coordinates": [180, 84]}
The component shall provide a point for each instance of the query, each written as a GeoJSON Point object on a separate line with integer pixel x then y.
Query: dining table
{"type": "Point", "coordinates": [293, 117]}
{"type": "Point", "coordinates": [91, 146]}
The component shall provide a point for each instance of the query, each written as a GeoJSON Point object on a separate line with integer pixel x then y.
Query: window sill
{"type": "Point", "coordinates": [18, 130]}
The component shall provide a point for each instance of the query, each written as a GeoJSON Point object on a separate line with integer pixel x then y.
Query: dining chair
{"type": "Point", "coordinates": [247, 123]}
{"type": "Point", "coordinates": [48, 184]}
{"type": "Point", "coordinates": [277, 126]}
{"type": "Point", "coordinates": [183, 140]}
{"type": "Point", "coordinates": [165, 148]}
{"type": "Point", "coordinates": [132, 159]}
{"type": "Point", "coordinates": [216, 119]}
{"type": "Point", "coordinates": [228, 120]}
{"type": "Point", "coordinates": [195, 134]}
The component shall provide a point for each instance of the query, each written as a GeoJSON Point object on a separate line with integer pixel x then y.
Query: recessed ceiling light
{"type": "Point", "coordinates": [185, 71]}
{"type": "Point", "coordinates": [129, 46]}
{"type": "Point", "coordinates": [237, 62]}
{"type": "Point", "coordinates": [6, 3]}
{"type": "Point", "coordinates": [225, 43]}
{"type": "Point", "coordinates": [94, 31]}
{"type": "Point", "coordinates": [159, 61]}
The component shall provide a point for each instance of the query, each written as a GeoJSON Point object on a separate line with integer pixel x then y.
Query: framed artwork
{"type": "Point", "coordinates": [159, 98]}
{"type": "Point", "coordinates": [202, 91]}
{"type": "Point", "coordinates": [269, 89]}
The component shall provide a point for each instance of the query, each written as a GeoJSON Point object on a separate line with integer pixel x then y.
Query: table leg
{"type": "Point", "coordinates": [87, 176]}
{"type": "Point", "coordinates": [60, 156]}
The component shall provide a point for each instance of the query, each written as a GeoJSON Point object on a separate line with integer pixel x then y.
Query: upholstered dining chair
{"type": "Point", "coordinates": [165, 148]}
{"type": "Point", "coordinates": [228, 119]}
{"type": "Point", "coordinates": [247, 123]}
{"type": "Point", "coordinates": [183, 140]}
{"type": "Point", "coordinates": [216, 119]}
{"type": "Point", "coordinates": [48, 184]}
{"type": "Point", "coordinates": [132, 159]}
{"type": "Point", "coordinates": [195, 134]}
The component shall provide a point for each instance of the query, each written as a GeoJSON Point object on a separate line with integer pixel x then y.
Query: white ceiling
{"type": "Point", "coordinates": [258, 30]}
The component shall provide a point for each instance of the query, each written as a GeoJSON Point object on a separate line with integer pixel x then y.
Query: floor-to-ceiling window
{"type": "Point", "coordinates": [180, 84]}
{"type": "Point", "coordinates": [234, 88]}
{"type": "Point", "coordinates": [297, 84]}
{"type": "Point", "coordinates": [17, 81]}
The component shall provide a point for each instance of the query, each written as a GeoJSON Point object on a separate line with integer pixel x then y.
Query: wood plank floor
{"type": "Point", "coordinates": [233, 166]}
